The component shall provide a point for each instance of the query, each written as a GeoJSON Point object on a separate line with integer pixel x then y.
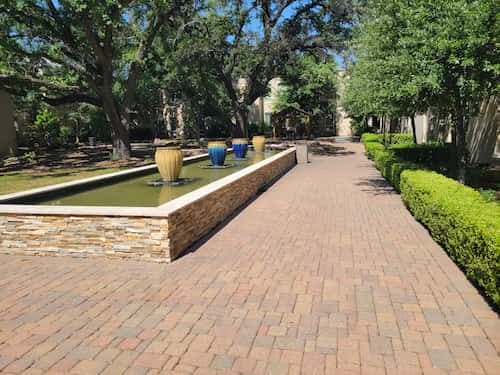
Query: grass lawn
{"type": "Point", "coordinates": [11, 182]}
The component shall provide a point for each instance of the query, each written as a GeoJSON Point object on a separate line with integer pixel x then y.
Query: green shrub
{"type": "Point", "coordinates": [399, 138]}
{"type": "Point", "coordinates": [383, 161]}
{"type": "Point", "coordinates": [462, 221]}
{"type": "Point", "coordinates": [391, 167]}
{"type": "Point", "coordinates": [435, 155]}
{"type": "Point", "coordinates": [371, 137]}
{"type": "Point", "coordinates": [46, 125]}
{"type": "Point", "coordinates": [358, 126]}
{"type": "Point", "coordinates": [390, 138]}
{"type": "Point", "coordinates": [372, 147]}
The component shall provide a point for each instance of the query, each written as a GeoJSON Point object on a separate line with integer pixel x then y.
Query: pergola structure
{"type": "Point", "coordinates": [291, 119]}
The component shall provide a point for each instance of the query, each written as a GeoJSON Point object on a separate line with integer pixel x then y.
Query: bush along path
{"type": "Point", "coordinates": [457, 216]}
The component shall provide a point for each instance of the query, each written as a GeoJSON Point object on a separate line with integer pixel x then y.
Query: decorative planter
{"type": "Point", "coordinates": [217, 152]}
{"type": "Point", "coordinates": [259, 143]}
{"type": "Point", "coordinates": [240, 147]}
{"type": "Point", "coordinates": [169, 162]}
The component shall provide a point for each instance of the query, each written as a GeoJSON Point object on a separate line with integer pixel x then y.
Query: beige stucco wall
{"type": "Point", "coordinates": [342, 121]}
{"type": "Point", "coordinates": [261, 109]}
{"type": "Point", "coordinates": [7, 129]}
{"type": "Point", "coordinates": [483, 132]}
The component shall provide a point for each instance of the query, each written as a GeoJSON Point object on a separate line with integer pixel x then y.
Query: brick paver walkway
{"type": "Point", "coordinates": [324, 273]}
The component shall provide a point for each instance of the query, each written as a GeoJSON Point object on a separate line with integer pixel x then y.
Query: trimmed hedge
{"type": "Point", "coordinates": [371, 137]}
{"type": "Point", "coordinates": [391, 167]}
{"type": "Point", "coordinates": [461, 221]}
{"type": "Point", "coordinates": [391, 138]}
{"type": "Point", "coordinates": [399, 138]}
{"type": "Point", "coordinates": [435, 155]}
{"type": "Point", "coordinates": [371, 148]}
{"type": "Point", "coordinates": [458, 217]}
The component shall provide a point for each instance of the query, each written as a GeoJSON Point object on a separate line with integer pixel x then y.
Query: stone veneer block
{"type": "Point", "coordinates": [157, 234]}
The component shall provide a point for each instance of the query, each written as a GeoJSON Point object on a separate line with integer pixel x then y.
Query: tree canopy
{"type": "Point", "coordinates": [246, 44]}
{"type": "Point", "coordinates": [310, 84]}
{"type": "Point", "coordinates": [417, 54]}
{"type": "Point", "coordinates": [85, 51]}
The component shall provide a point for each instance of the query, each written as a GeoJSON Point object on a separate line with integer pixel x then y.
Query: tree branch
{"type": "Point", "coordinates": [73, 98]}
{"type": "Point", "coordinates": [7, 81]}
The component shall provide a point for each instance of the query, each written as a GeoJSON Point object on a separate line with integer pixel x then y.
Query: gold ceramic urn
{"type": "Point", "coordinates": [259, 143]}
{"type": "Point", "coordinates": [169, 162]}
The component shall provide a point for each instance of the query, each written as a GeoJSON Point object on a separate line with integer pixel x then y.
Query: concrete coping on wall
{"type": "Point", "coordinates": [202, 192]}
{"type": "Point", "coordinates": [90, 181]}
{"type": "Point", "coordinates": [160, 211]}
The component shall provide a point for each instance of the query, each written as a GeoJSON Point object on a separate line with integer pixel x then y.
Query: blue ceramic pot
{"type": "Point", "coordinates": [240, 147]}
{"type": "Point", "coordinates": [217, 152]}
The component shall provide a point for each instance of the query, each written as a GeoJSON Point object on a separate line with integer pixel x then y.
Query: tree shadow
{"type": "Point", "coordinates": [328, 149]}
{"type": "Point", "coordinates": [96, 157]}
{"type": "Point", "coordinates": [376, 186]}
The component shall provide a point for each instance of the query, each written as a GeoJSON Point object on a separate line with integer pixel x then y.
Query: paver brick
{"type": "Point", "coordinates": [324, 273]}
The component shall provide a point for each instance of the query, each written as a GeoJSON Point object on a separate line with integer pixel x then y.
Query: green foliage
{"type": "Point", "coordinates": [371, 148]}
{"type": "Point", "coordinates": [29, 156]}
{"type": "Point", "coordinates": [400, 138]}
{"type": "Point", "coordinates": [389, 165]}
{"type": "Point", "coordinates": [371, 137]}
{"type": "Point", "coordinates": [416, 55]}
{"type": "Point", "coordinates": [460, 220]}
{"type": "Point", "coordinates": [46, 126]}
{"type": "Point", "coordinates": [435, 155]}
{"type": "Point", "coordinates": [65, 134]}
{"type": "Point", "coordinates": [390, 138]}
{"type": "Point", "coordinates": [259, 129]}
{"type": "Point", "coordinates": [95, 52]}
{"type": "Point", "coordinates": [489, 195]}
{"type": "Point", "coordinates": [411, 55]}
{"type": "Point", "coordinates": [250, 43]}
{"type": "Point", "coordinates": [309, 83]}
{"type": "Point", "coordinates": [358, 126]}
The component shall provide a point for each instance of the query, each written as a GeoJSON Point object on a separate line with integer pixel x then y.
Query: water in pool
{"type": "Point", "coordinates": [137, 192]}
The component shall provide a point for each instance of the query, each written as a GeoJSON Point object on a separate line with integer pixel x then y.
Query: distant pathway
{"type": "Point", "coordinates": [325, 273]}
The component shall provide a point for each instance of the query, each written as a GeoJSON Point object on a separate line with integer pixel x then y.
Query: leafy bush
{"type": "Point", "coordinates": [390, 138]}
{"type": "Point", "coordinates": [488, 195]}
{"type": "Point", "coordinates": [66, 133]}
{"type": "Point", "coordinates": [391, 167]}
{"type": "Point", "coordinates": [435, 155]}
{"type": "Point", "coordinates": [371, 137]}
{"type": "Point", "coordinates": [358, 126]}
{"type": "Point", "coordinates": [399, 138]}
{"type": "Point", "coordinates": [46, 126]}
{"type": "Point", "coordinates": [371, 148]}
{"type": "Point", "coordinates": [462, 221]}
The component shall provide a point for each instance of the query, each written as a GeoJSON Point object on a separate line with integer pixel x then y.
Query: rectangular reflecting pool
{"type": "Point", "coordinates": [120, 215]}
{"type": "Point", "coordinates": [139, 191]}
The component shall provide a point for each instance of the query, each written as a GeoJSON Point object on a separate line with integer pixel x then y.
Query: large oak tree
{"type": "Point", "coordinates": [85, 51]}
{"type": "Point", "coordinates": [247, 43]}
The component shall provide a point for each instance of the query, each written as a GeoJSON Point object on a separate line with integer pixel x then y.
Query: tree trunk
{"type": "Point", "coordinates": [241, 127]}
{"type": "Point", "coordinates": [413, 128]}
{"type": "Point", "coordinates": [461, 147]}
{"type": "Point", "coordinates": [383, 126]}
{"type": "Point", "coordinates": [166, 110]}
{"type": "Point", "coordinates": [77, 130]}
{"type": "Point", "coordinates": [119, 128]}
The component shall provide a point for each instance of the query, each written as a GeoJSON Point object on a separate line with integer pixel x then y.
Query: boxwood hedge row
{"type": "Point", "coordinates": [461, 221]}
{"type": "Point", "coordinates": [457, 216]}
